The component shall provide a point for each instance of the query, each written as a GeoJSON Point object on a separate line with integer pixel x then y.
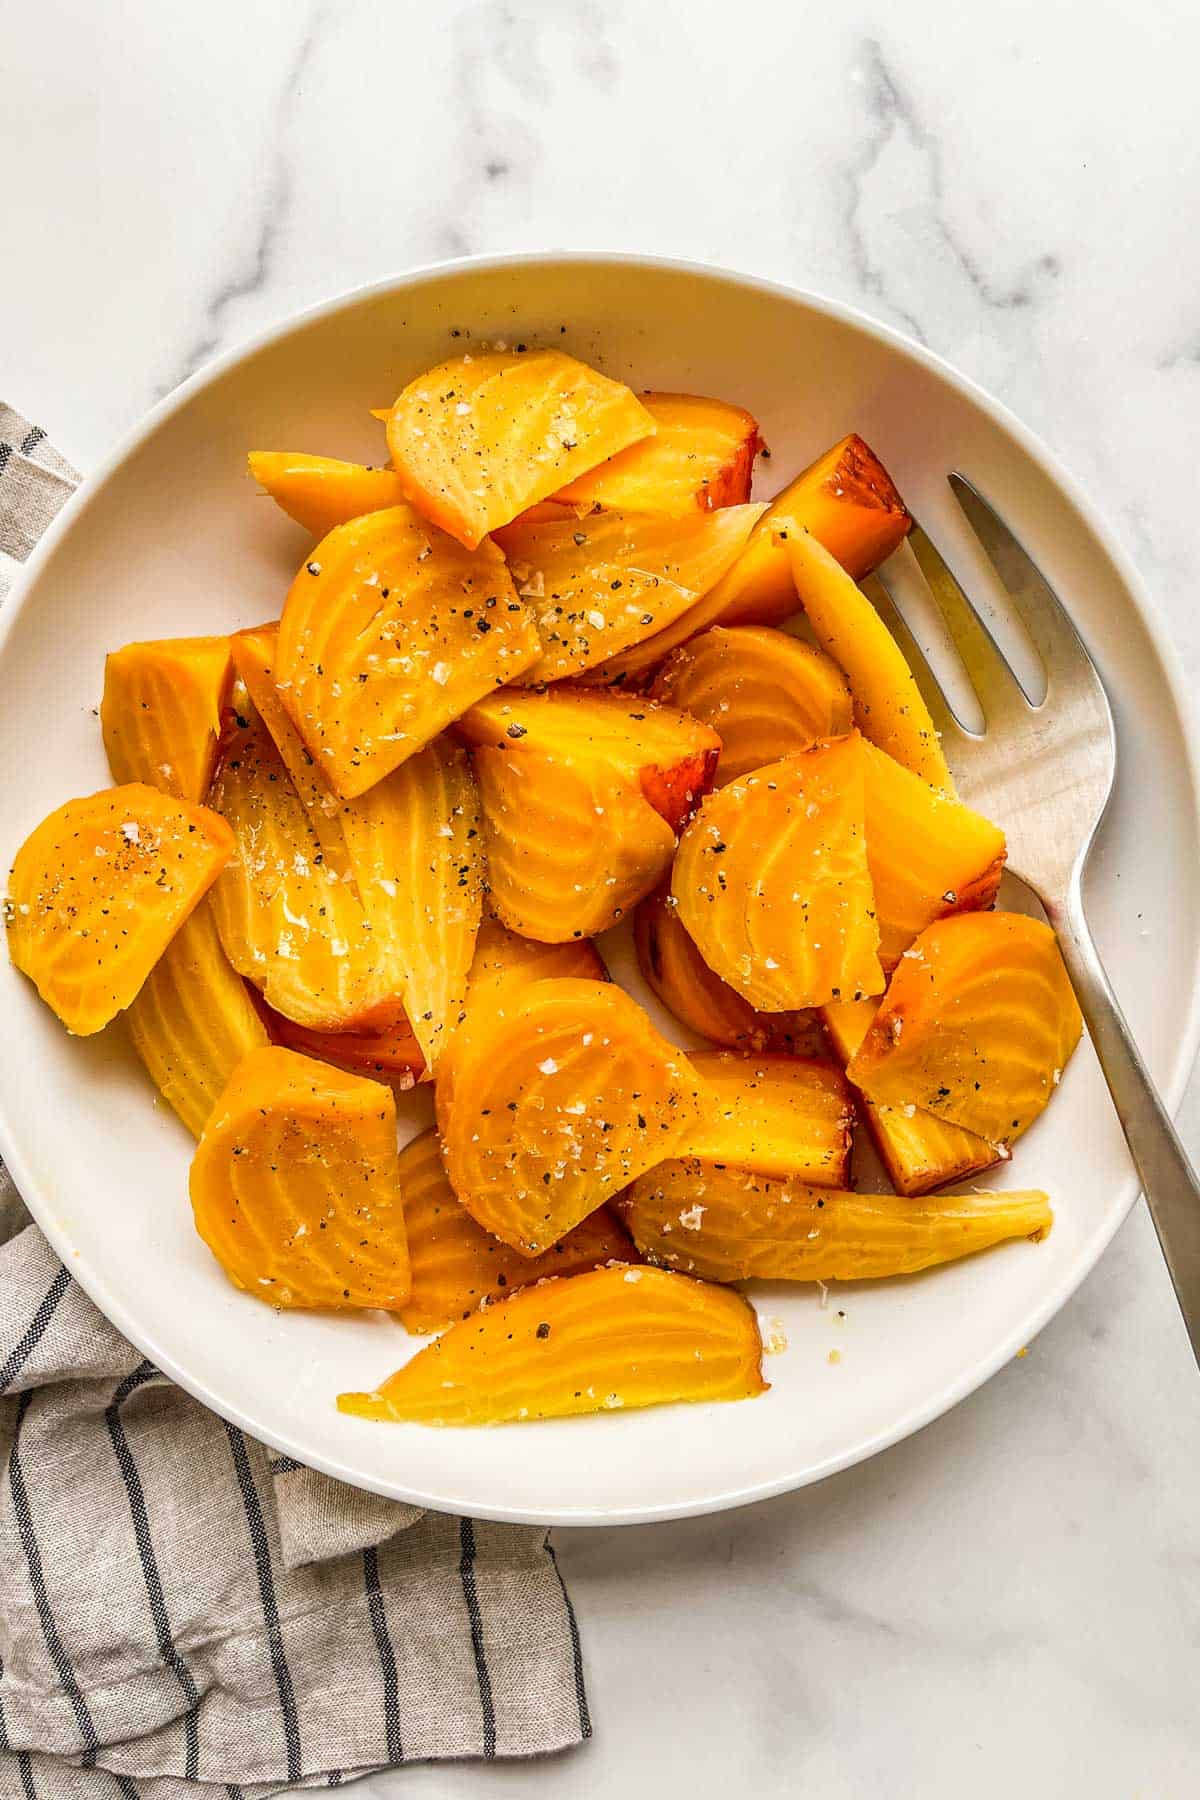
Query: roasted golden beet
{"type": "Point", "coordinates": [671, 756]}
{"type": "Point", "coordinates": [412, 845]}
{"type": "Point", "coordinates": [701, 455]}
{"type": "Point", "coordinates": [599, 584]}
{"type": "Point", "coordinates": [922, 1152]}
{"type": "Point", "coordinates": [919, 1151]}
{"type": "Point", "coordinates": [500, 953]}
{"type": "Point", "coordinates": [612, 1339]}
{"type": "Point", "coordinates": [161, 712]}
{"type": "Point", "coordinates": [192, 1021]}
{"type": "Point", "coordinates": [478, 439]}
{"type": "Point", "coordinates": [390, 1053]}
{"type": "Point", "coordinates": [389, 632]}
{"type": "Point", "coordinates": [771, 882]}
{"type": "Point", "coordinates": [294, 1186]}
{"type": "Point", "coordinates": [570, 849]}
{"type": "Point", "coordinates": [850, 503]}
{"type": "Point", "coordinates": [505, 957]}
{"type": "Point", "coordinates": [99, 889]}
{"type": "Point", "coordinates": [888, 707]}
{"type": "Point", "coordinates": [770, 695]}
{"type": "Point", "coordinates": [846, 499]}
{"type": "Point", "coordinates": [687, 987]}
{"type": "Point", "coordinates": [255, 654]}
{"type": "Point", "coordinates": [582, 794]}
{"type": "Point", "coordinates": [929, 855]}
{"type": "Point", "coordinates": [287, 907]}
{"type": "Point", "coordinates": [560, 1093]}
{"type": "Point", "coordinates": [457, 1267]}
{"type": "Point", "coordinates": [775, 1115]}
{"type": "Point", "coordinates": [417, 854]}
{"type": "Point", "coordinates": [320, 492]}
{"type": "Point", "coordinates": [766, 694]}
{"type": "Point", "coordinates": [977, 1026]}
{"type": "Point", "coordinates": [726, 1224]}
{"type": "Point", "coordinates": [553, 511]}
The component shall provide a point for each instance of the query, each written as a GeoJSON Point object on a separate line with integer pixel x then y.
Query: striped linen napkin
{"type": "Point", "coordinates": [181, 1611]}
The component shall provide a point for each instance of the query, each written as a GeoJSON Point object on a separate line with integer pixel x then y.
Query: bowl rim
{"type": "Point", "coordinates": [1160, 645]}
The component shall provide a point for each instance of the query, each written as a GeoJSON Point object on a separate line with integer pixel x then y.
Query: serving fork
{"type": "Point", "coordinates": [1046, 773]}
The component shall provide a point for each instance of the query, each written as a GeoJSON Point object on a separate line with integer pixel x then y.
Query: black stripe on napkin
{"type": "Point", "coordinates": [37, 1581]}
{"type": "Point", "coordinates": [136, 1496]}
{"type": "Point", "coordinates": [5, 1740]}
{"type": "Point", "coordinates": [33, 437]}
{"type": "Point", "coordinates": [37, 1325]}
{"type": "Point", "coordinates": [6, 451]}
{"type": "Point", "coordinates": [261, 1547]}
{"type": "Point", "coordinates": [466, 1570]}
{"type": "Point", "coordinates": [585, 1717]}
{"type": "Point", "coordinates": [387, 1656]}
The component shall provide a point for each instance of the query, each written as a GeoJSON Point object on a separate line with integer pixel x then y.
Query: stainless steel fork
{"type": "Point", "coordinates": [1045, 774]}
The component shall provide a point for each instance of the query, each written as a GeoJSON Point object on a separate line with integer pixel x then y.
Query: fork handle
{"type": "Point", "coordinates": [1169, 1181]}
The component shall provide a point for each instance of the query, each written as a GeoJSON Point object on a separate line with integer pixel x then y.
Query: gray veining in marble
{"type": "Point", "coordinates": [269, 217]}
{"type": "Point", "coordinates": [899, 152]}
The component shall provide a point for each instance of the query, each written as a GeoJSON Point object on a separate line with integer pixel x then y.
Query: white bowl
{"type": "Point", "coordinates": [170, 537]}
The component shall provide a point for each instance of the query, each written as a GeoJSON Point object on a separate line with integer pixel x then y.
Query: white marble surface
{"type": "Point", "coordinates": [1011, 1601]}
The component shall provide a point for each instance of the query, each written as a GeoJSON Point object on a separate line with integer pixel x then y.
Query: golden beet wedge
{"type": "Point", "coordinates": [727, 1224]}
{"type": "Point", "coordinates": [320, 492]}
{"type": "Point", "coordinates": [478, 439]}
{"type": "Point", "coordinates": [561, 1092]}
{"type": "Point", "coordinates": [929, 855]}
{"type": "Point", "coordinates": [412, 846]}
{"type": "Point", "coordinates": [582, 794]}
{"type": "Point", "coordinates": [888, 707]}
{"type": "Point", "coordinates": [255, 655]}
{"type": "Point", "coordinates": [687, 987]}
{"type": "Point", "coordinates": [504, 957]}
{"type": "Point", "coordinates": [416, 848]}
{"type": "Point", "coordinates": [391, 1053]}
{"type": "Point", "coordinates": [607, 1341]}
{"type": "Point", "coordinates": [919, 1151]}
{"type": "Point", "coordinates": [457, 1267]}
{"type": "Point", "coordinates": [598, 584]}
{"type": "Point", "coordinates": [294, 1186]}
{"type": "Point", "coordinates": [850, 503]}
{"type": "Point", "coordinates": [977, 1026]}
{"type": "Point", "coordinates": [771, 882]}
{"type": "Point", "coordinates": [161, 712]}
{"type": "Point", "coordinates": [501, 954]}
{"type": "Point", "coordinates": [765, 693]}
{"type": "Point", "coordinates": [192, 1020]}
{"type": "Point", "coordinates": [389, 632]}
{"type": "Point", "coordinates": [287, 908]}
{"type": "Point", "coordinates": [99, 889]}
{"type": "Point", "coordinates": [846, 499]}
{"type": "Point", "coordinates": [775, 1115]}
{"type": "Point", "coordinates": [701, 455]}
{"type": "Point", "coordinates": [672, 757]}
{"type": "Point", "coordinates": [570, 849]}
